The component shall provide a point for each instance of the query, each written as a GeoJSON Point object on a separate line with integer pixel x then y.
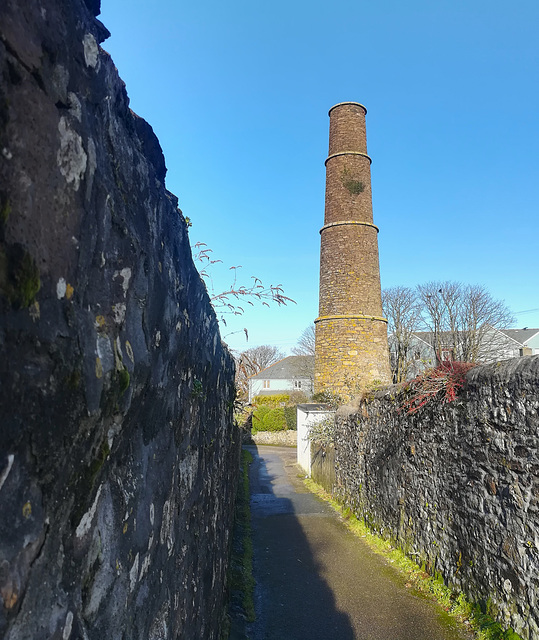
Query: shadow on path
{"type": "Point", "coordinates": [291, 596]}
{"type": "Point", "coordinates": [314, 579]}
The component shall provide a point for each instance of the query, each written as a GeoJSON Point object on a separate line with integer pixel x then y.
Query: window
{"type": "Point", "coordinates": [446, 355]}
{"type": "Point", "coordinates": [297, 384]}
{"type": "Point", "coordinates": [265, 384]}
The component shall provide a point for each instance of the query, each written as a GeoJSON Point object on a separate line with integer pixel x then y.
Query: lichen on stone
{"type": "Point", "coordinates": [71, 156]}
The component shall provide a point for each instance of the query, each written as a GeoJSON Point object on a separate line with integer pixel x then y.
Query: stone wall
{"type": "Point", "coordinates": [287, 438]}
{"type": "Point", "coordinates": [457, 484]}
{"type": "Point", "coordinates": [118, 456]}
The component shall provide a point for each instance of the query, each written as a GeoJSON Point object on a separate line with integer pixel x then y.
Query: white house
{"type": "Point", "coordinates": [294, 373]}
{"type": "Point", "coordinates": [525, 342]}
{"type": "Point", "coordinates": [497, 344]}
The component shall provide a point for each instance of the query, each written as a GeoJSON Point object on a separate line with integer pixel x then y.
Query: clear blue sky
{"type": "Point", "coordinates": [238, 94]}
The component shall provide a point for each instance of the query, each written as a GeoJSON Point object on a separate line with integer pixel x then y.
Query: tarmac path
{"type": "Point", "coordinates": [315, 579]}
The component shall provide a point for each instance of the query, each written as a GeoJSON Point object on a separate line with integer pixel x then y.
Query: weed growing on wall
{"type": "Point", "coordinates": [353, 186]}
{"type": "Point", "coordinates": [197, 390]}
{"type": "Point", "coordinates": [440, 384]}
{"type": "Point", "coordinates": [230, 300]}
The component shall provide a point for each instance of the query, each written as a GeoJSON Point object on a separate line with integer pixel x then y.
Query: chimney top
{"type": "Point", "coordinates": [340, 104]}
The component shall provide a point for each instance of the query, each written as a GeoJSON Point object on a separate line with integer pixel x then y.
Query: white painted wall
{"type": "Point", "coordinates": [533, 343]}
{"type": "Point", "coordinates": [276, 385]}
{"type": "Point", "coordinates": [307, 415]}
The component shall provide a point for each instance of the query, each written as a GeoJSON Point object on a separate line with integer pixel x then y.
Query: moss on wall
{"type": "Point", "coordinates": [455, 483]}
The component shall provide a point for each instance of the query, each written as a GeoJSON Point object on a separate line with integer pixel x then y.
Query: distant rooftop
{"type": "Point", "coordinates": [287, 368]}
{"type": "Point", "coordinates": [520, 335]}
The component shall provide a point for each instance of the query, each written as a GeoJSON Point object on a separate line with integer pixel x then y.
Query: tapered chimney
{"type": "Point", "coordinates": [351, 333]}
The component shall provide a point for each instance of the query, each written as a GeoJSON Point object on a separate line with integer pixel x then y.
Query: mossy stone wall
{"type": "Point", "coordinates": [456, 485]}
{"type": "Point", "coordinates": [118, 453]}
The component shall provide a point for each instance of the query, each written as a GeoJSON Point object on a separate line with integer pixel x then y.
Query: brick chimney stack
{"type": "Point", "coordinates": [351, 333]}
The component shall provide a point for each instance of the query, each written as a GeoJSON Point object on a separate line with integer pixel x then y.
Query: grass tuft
{"type": "Point", "coordinates": [242, 582]}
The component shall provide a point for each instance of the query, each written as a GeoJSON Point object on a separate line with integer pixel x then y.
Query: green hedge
{"type": "Point", "coordinates": [271, 415]}
{"type": "Point", "coordinates": [266, 419]}
{"type": "Point", "coordinates": [291, 417]}
{"type": "Point", "coordinates": [271, 401]}
{"type": "Point", "coordinates": [258, 418]}
{"type": "Point", "coordinates": [275, 420]}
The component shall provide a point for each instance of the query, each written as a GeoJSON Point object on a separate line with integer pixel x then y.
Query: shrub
{"type": "Point", "coordinates": [291, 417]}
{"type": "Point", "coordinates": [267, 419]}
{"type": "Point", "coordinates": [258, 418]}
{"type": "Point", "coordinates": [322, 432]}
{"type": "Point", "coordinates": [271, 401]}
{"type": "Point", "coordinates": [441, 383]}
{"type": "Point", "coordinates": [271, 415]}
{"type": "Point", "coordinates": [297, 397]}
{"type": "Point", "coordinates": [275, 420]}
{"type": "Point", "coordinates": [333, 400]}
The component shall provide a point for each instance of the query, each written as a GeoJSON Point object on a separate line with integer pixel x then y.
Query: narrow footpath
{"type": "Point", "coordinates": [315, 580]}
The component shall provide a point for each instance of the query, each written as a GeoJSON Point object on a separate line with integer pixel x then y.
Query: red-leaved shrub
{"type": "Point", "coordinates": [440, 383]}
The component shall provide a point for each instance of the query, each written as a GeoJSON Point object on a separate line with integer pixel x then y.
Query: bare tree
{"type": "Point", "coordinates": [252, 361]}
{"type": "Point", "coordinates": [482, 317]}
{"type": "Point", "coordinates": [306, 341]}
{"type": "Point", "coordinates": [403, 312]}
{"type": "Point", "coordinates": [441, 315]}
{"type": "Point", "coordinates": [463, 320]}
